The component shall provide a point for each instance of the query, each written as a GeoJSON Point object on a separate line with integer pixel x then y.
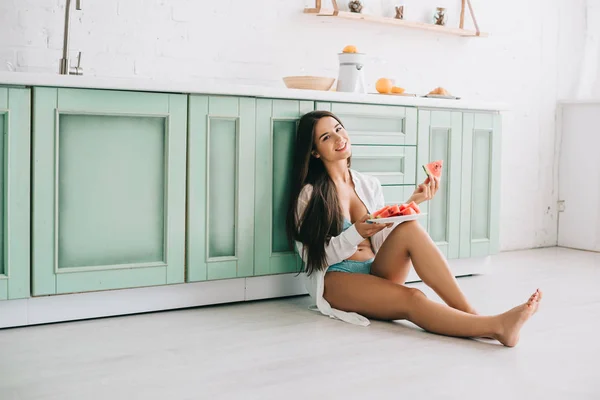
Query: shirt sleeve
{"type": "Point", "coordinates": [339, 247]}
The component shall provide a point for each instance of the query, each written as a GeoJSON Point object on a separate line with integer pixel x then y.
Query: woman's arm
{"type": "Point", "coordinates": [423, 192]}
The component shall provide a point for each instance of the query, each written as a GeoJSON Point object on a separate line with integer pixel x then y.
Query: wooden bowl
{"type": "Point", "coordinates": [308, 82]}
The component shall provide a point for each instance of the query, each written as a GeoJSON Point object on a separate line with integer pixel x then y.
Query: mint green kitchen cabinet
{"type": "Point", "coordinates": [138, 189]}
{"type": "Point", "coordinates": [440, 138]}
{"type": "Point", "coordinates": [276, 122]}
{"type": "Point", "coordinates": [221, 179]}
{"type": "Point", "coordinates": [379, 125]}
{"type": "Point", "coordinates": [480, 185]}
{"type": "Point", "coordinates": [109, 189]}
{"type": "Point", "coordinates": [384, 142]}
{"type": "Point", "coordinates": [14, 193]}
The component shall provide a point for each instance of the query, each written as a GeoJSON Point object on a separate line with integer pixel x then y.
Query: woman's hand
{"type": "Point", "coordinates": [426, 190]}
{"type": "Point", "coordinates": [366, 229]}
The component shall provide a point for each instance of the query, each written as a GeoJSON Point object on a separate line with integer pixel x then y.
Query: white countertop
{"type": "Point", "coordinates": [200, 87]}
{"type": "Point", "coordinates": [578, 101]}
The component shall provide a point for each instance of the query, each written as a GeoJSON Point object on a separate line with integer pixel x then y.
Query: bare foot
{"type": "Point", "coordinates": [513, 320]}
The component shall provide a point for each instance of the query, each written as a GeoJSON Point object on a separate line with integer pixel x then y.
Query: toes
{"type": "Point", "coordinates": [535, 298]}
{"type": "Point", "coordinates": [536, 295]}
{"type": "Point", "coordinates": [532, 299]}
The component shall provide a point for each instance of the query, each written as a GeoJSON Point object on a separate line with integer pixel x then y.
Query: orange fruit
{"type": "Point", "coordinates": [397, 90]}
{"type": "Point", "coordinates": [440, 90]}
{"type": "Point", "coordinates": [384, 85]}
{"type": "Point", "coordinates": [350, 49]}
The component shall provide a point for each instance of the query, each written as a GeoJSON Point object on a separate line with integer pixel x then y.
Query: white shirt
{"type": "Point", "coordinates": [343, 246]}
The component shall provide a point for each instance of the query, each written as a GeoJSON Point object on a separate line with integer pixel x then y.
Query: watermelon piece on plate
{"type": "Point", "coordinates": [434, 168]}
{"type": "Point", "coordinates": [409, 211]}
{"type": "Point", "coordinates": [395, 210]}
{"type": "Point", "coordinates": [377, 214]}
{"type": "Point", "coordinates": [415, 207]}
{"type": "Point", "coordinates": [386, 214]}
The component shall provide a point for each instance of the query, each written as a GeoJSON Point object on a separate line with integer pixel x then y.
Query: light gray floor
{"type": "Point", "coordinates": [277, 349]}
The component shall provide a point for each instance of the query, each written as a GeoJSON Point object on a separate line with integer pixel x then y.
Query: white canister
{"type": "Point", "coordinates": [351, 75]}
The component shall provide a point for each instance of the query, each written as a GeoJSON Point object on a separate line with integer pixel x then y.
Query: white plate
{"type": "Point", "coordinates": [395, 220]}
{"type": "Point", "coordinates": [397, 94]}
{"type": "Point", "coordinates": [441, 96]}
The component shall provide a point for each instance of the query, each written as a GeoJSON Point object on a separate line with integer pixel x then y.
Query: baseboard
{"type": "Point", "coordinates": [71, 307]}
{"type": "Point", "coordinates": [272, 286]}
{"type": "Point", "coordinates": [580, 249]}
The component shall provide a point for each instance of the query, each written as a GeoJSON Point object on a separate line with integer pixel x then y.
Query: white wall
{"type": "Point", "coordinates": [579, 168]}
{"type": "Point", "coordinates": [531, 58]}
{"type": "Point", "coordinates": [588, 82]}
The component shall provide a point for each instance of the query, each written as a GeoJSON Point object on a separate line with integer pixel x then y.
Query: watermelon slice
{"type": "Point", "coordinates": [415, 207]}
{"type": "Point", "coordinates": [434, 168]}
{"type": "Point", "coordinates": [377, 214]}
{"type": "Point", "coordinates": [397, 210]}
{"type": "Point", "coordinates": [394, 210]}
{"type": "Point", "coordinates": [386, 214]}
{"type": "Point", "coordinates": [409, 211]}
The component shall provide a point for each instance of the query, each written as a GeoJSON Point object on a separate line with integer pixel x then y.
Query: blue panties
{"type": "Point", "coordinates": [351, 266]}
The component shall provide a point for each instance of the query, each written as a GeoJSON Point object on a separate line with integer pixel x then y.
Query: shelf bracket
{"type": "Point", "coordinates": [317, 9]}
{"type": "Point", "coordinates": [462, 16]}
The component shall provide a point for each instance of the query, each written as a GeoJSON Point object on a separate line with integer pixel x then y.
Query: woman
{"type": "Point", "coordinates": [354, 267]}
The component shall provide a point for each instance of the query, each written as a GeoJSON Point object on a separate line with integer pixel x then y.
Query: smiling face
{"type": "Point", "coordinates": [331, 142]}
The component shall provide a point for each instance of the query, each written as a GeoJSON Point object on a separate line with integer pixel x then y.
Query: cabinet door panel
{"type": "Point", "coordinates": [15, 193]}
{"type": "Point", "coordinates": [480, 185]}
{"type": "Point", "coordinates": [440, 138]}
{"type": "Point", "coordinates": [109, 189]}
{"type": "Point", "coordinates": [276, 123]}
{"type": "Point", "coordinates": [221, 188]}
{"type": "Point", "coordinates": [222, 185]}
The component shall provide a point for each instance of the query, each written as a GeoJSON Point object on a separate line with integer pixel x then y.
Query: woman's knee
{"type": "Point", "coordinates": [416, 294]}
{"type": "Point", "coordinates": [409, 299]}
{"type": "Point", "coordinates": [414, 297]}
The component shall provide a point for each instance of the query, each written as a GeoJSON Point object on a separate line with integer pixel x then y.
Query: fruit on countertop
{"type": "Point", "coordinates": [440, 91]}
{"type": "Point", "coordinates": [384, 85]}
{"type": "Point", "coordinates": [350, 49]}
{"type": "Point", "coordinates": [397, 90]}
{"type": "Point", "coordinates": [434, 168]}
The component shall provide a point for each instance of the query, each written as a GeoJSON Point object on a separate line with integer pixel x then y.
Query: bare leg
{"type": "Point", "coordinates": [409, 241]}
{"type": "Point", "coordinates": [381, 299]}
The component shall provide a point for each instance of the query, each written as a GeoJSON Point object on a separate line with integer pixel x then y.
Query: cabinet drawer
{"type": "Point", "coordinates": [392, 165]}
{"type": "Point", "coordinates": [376, 124]}
{"type": "Point", "coordinates": [397, 194]}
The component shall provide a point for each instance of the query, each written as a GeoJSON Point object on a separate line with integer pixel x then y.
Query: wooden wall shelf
{"type": "Point", "coordinates": [460, 31]}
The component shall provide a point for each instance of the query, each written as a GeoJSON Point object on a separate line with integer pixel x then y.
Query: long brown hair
{"type": "Point", "coordinates": [323, 216]}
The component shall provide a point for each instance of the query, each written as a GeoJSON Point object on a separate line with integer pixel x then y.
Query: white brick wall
{"type": "Point", "coordinates": [531, 58]}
